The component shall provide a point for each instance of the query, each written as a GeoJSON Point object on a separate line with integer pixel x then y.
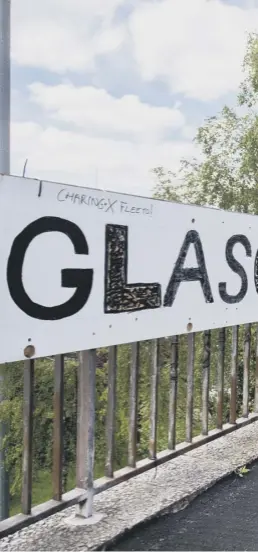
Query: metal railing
{"type": "Point", "coordinates": [86, 487]}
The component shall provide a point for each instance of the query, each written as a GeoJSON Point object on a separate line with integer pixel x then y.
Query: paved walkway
{"type": "Point", "coordinates": [224, 518]}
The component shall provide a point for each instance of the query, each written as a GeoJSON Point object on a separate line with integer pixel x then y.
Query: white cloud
{"type": "Point", "coordinates": [96, 111]}
{"type": "Point", "coordinates": [196, 46]}
{"type": "Point", "coordinates": [76, 158]}
{"type": "Point", "coordinates": [63, 35]}
{"type": "Point", "coordinates": [119, 139]}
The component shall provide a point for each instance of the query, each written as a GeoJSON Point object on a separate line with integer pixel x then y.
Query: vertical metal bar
{"type": "Point", "coordinates": [206, 381]}
{"type": "Point", "coordinates": [155, 360]}
{"type": "Point", "coordinates": [190, 387]}
{"type": "Point", "coordinates": [4, 479]}
{"type": "Point", "coordinates": [111, 411]}
{"type": "Point", "coordinates": [220, 377]}
{"type": "Point", "coordinates": [233, 392]}
{"type": "Point", "coordinates": [5, 94]}
{"type": "Point", "coordinates": [58, 427]}
{"type": "Point", "coordinates": [173, 393]}
{"type": "Point", "coordinates": [256, 371]}
{"type": "Point", "coordinates": [85, 429]}
{"type": "Point", "coordinates": [133, 405]}
{"type": "Point", "coordinates": [5, 85]}
{"type": "Point", "coordinates": [247, 349]}
{"type": "Point", "coordinates": [28, 393]}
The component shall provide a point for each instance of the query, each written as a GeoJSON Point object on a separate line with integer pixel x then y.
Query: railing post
{"type": "Point", "coordinates": [28, 392]}
{"type": "Point", "coordinates": [111, 411]}
{"type": "Point", "coordinates": [173, 394]}
{"type": "Point", "coordinates": [206, 381]}
{"type": "Point", "coordinates": [133, 405]}
{"type": "Point", "coordinates": [155, 361]}
{"type": "Point", "coordinates": [85, 430]}
{"type": "Point", "coordinates": [256, 371]}
{"type": "Point", "coordinates": [234, 359]}
{"type": "Point", "coordinates": [190, 387]}
{"type": "Point", "coordinates": [247, 349]}
{"type": "Point", "coordinates": [220, 377]}
{"type": "Point", "coordinates": [4, 476]}
{"type": "Point", "coordinates": [58, 437]}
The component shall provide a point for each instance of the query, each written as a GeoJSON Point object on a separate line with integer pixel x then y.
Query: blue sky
{"type": "Point", "coordinates": [105, 90]}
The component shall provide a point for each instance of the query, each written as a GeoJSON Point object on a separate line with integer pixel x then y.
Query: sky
{"type": "Point", "coordinates": [105, 90]}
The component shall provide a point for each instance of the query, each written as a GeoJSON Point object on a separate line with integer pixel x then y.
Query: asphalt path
{"type": "Point", "coordinates": [223, 518]}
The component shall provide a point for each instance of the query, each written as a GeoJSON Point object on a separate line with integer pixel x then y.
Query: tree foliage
{"type": "Point", "coordinates": [226, 175]}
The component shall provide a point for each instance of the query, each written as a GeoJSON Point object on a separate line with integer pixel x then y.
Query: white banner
{"type": "Point", "coordinates": [83, 268]}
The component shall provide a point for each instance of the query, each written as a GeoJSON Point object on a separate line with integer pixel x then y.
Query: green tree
{"type": "Point", "coordinates": [226, 175]}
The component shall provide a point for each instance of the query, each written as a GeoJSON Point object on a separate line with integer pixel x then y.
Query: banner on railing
{"type": "Point", "coordinates": [83, 268]}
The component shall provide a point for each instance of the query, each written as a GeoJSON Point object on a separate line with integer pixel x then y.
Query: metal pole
{"type": "Point", "coordinates": [5, 82]}
{"type": "Point", "coordinates": [5, 93]}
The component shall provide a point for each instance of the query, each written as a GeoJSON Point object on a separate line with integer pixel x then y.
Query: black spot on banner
{"type": "Point", "coordinates": [119, 295]}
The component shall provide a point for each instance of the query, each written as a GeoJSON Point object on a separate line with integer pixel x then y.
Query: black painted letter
{"type": "Point", "coordinates": [237, 268]}
{"type": "Point", "coordinates": [119, 295]}
{"type": "Point", "coordinates": [256, 272]}
{"type": "Point", "coordinates": [81, 279]}
{"type": "Point", "coordinates": [181, 274]}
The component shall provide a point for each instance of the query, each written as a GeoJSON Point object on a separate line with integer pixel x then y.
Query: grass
{"type": "Point", "coordinates": [42, 488]}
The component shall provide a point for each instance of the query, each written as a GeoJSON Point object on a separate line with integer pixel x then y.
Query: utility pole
{"type": "Point", "coordinates": [5, 94]}
{"type": "Point", "coordinates": [5, 85]}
